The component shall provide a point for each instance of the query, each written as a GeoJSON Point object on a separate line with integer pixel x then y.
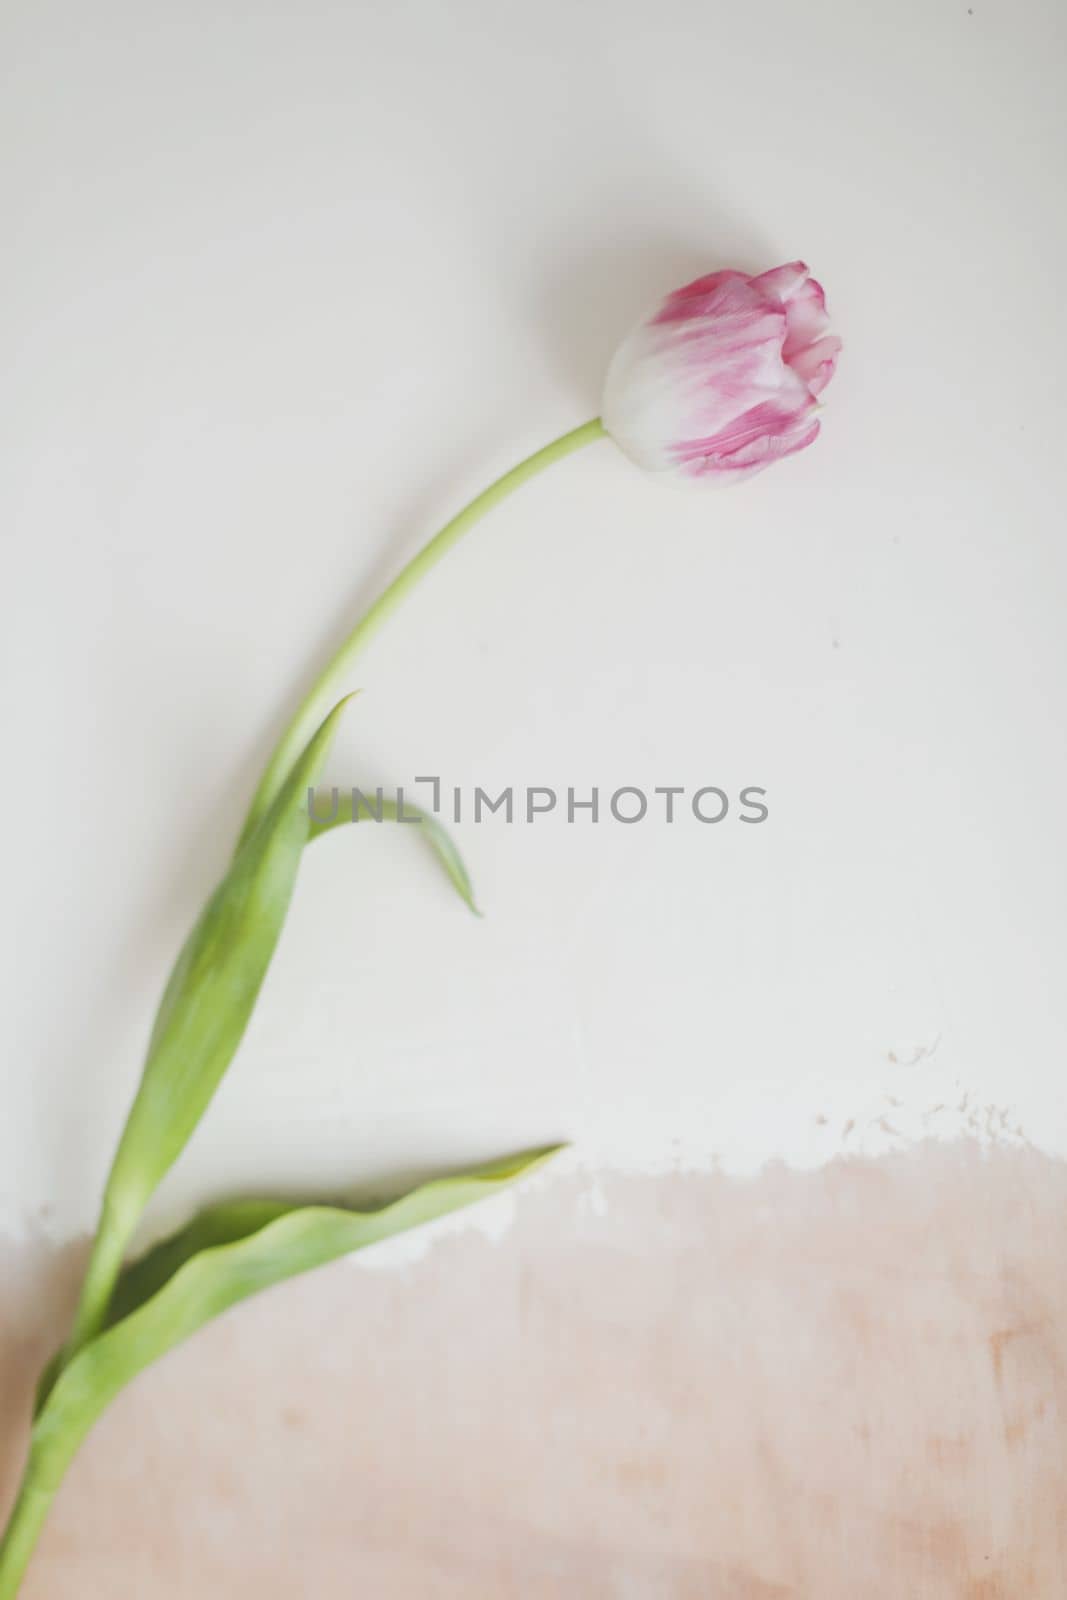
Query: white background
{"type": "Point", "coordinates": [285, 285]}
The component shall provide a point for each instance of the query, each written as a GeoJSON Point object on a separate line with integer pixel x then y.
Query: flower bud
{"type": "Point", "coordinates": [723, 378]}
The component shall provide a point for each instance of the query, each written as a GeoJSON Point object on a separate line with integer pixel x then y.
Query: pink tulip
{"type": "Point", "coordinates": [723, 379]}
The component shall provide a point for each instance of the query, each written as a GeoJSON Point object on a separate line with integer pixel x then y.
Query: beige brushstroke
{"type": "Point", "coordinates": [838, 1384]}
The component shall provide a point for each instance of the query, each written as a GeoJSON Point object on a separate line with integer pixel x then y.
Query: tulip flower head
{"type": "Point", "coordinates": [724, 377]}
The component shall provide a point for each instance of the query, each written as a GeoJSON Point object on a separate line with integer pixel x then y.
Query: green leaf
{"type": "Point", "coordinates": [214, 986]}
{"type": "Point", "coordinates": [232, 1222]}
{"type": "Point", "coordinates": [203, 1015]}
{"type": "Point", "coordinates": [224, 1256]}
{"type": "Point", "coordinates": [216, 980]}
{"type": "Point", "coordinates": [385, 810]}
{"type": "Point", "coordinates": [201, 1020]}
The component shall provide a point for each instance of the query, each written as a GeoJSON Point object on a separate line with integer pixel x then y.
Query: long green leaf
{"type": "Point", "coordinates": [205, 1010]}
{"type": "Point", "coordinates": [232, 1222]}
{"type": "Point", "coordinates": [385, 810]}
{"type": "Point", "coordinates": [225, 1256]}
{"type": "Point", "coordinates": [217, 979]}
{"type": "Point", "coordinates": [201, 1021]}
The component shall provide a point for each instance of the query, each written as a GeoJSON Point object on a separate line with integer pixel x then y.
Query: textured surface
{"type": "Point", "coordinates": [819, 1385]}
{"type": "Point", "coordinates": [288, 284]}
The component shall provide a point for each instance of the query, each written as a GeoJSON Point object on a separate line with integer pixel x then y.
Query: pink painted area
{"type": "Point", "coordinates": [827, 1385]}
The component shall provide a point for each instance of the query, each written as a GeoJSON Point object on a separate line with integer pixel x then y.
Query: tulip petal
{"type": "Point", "coordinates": [684, 303]}
{"type": "Point", "coordinates": [723, 376]}
{"type": "Point", "coordinates": [815, 364]}
{"type": "Point", "coordinates": [752, 441]}
{"type": "Point", "coordinates": [780, 284]}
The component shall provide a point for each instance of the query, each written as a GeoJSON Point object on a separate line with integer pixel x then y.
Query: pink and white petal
{"type": "Point", "coordinates": [765, 420]}
{"type": "Point", "coordinates": [670, 384]}
{"type": "Point", "coordinates": [806, 321]}
{"type": "Point", "coordinates": [706, 385]}
{"type": "Point", "coordinates": [815, 364]}
{"type": "Point", "coordinates": [812, 290]}
{"type": "Point", "coordinates": [746, 463]}
{"type": "Point", "coordinates": [773, 446]}
{"type": "Point", "coordinates": [761, 435]}
{"type": "Point", "coordinates": [694, 298]}
{"type": "Point", "coordinates": [780, 284]}
{"type": "Point", "coordinates": [733, 351]}
{"type": "Point", "coordinates": [761, 453]}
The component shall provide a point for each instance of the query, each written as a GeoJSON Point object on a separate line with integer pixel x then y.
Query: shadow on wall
{"type": "Point", "coordinates": [581, 311]}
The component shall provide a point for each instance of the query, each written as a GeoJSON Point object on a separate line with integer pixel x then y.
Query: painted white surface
{"type": "Point", "coordinates": [288, 284]}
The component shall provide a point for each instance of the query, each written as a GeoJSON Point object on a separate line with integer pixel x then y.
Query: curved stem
{"type": "Point", "coordinates": [21, 1533]}
{"type": "Point", "coordinates": [330, 681]}
{"type": "Point", "coordinates": [113, 1234]}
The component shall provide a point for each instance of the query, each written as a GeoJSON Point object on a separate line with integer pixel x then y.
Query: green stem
{"type": "Point", "coordinates": [113, 1234]}
{"type": "Point", "coordinates": [333, 676]}
{"type": "Point", "coordinates": [21, 1533]}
